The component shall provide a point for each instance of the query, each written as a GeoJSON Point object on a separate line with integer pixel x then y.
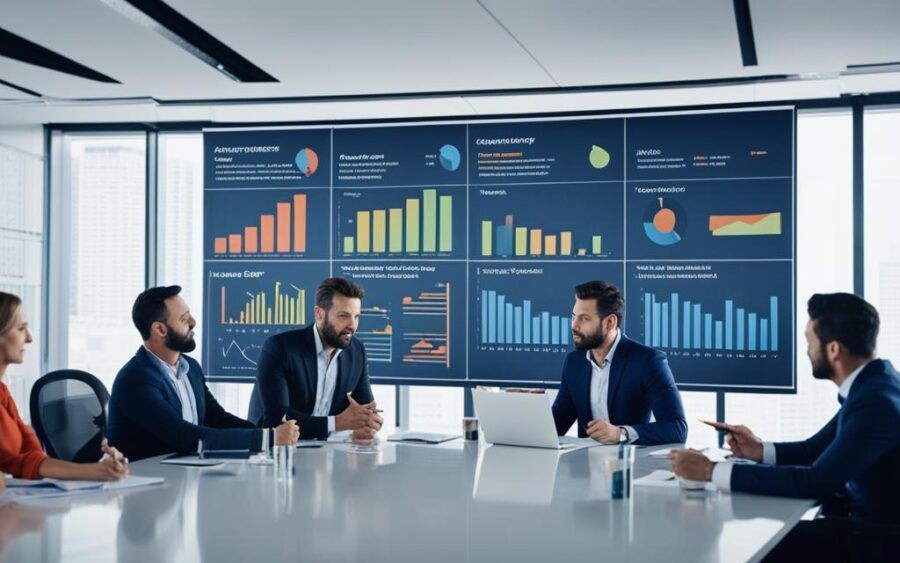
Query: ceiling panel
{"type": "Point", "coordinates": [825, 35]}
{"type": "Point", "coordinates": [597, 42]}
{"type": "Point", "coordinates": [97, 36]}
{"type": "Point", "coordinates": [8, 93]}
{"type": "Point", "coordinates": [364, 47]}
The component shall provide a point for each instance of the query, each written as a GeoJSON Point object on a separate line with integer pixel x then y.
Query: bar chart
{"type": "Point", "coordinates": [504, 321]}
{"type": "Point", "coordinates": [246, 302]}
{"type": "Point", "coordinates": [719, 323]}
{"type": "Point", "coordinates": [267, 224]}
{"type": "Point", "coordinates": [413, 317]}
{"type": "Point", "coordinates": [566, 222]}
{"type": "Point", "coordinates": [429, 347]}
{"type": "Point", "coordinates": [283, 306]}
{"type": "Point", "coordinates": [520, 324]}
{"type": "Point", "coordinates": [508, 239]}
{"type": "Point", "coordinates": [674, 322]}
{"type": "Point", "coordinates": [376, 333]}
{"type": "Point", "coordinates": [378, 223]}
{"type": "Point", "coordinates": [282, 231]}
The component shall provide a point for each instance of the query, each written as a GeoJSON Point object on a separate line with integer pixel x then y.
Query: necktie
{"type": "Point", "coordinates": [840, 399]}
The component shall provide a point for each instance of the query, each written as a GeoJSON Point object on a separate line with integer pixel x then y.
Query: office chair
{"type": "Point", "coordinates": [68, 412]}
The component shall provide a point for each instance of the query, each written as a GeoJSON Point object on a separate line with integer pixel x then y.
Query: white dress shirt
{"type": "Point", "coordinates": [179, 380]}
{"type": "Point", "coordinates": [326, 379]}
{"type": "Point", "coordinates": [600, 386]}
{"type": "Point", "coordinates": [721, 475]}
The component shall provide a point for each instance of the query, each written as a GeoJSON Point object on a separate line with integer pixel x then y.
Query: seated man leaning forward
{"type": "Point", "coordinates": [851, 465]}
{"type": "Point", "coordinates": [610, 383]}
{"type": "Point", "coordinates": [319, 374]}
{"type": "Point", "coordinates": [160, 402]}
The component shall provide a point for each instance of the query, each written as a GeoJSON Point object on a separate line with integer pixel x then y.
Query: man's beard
{"type": "Point", "coordinates": [589, 342]}
{"type": "Point", "coordinates": [822, 369]}
{"type": "Point", "coordinates": [332, 337]}
{"type": "Point", "coordinates": [179, 342]}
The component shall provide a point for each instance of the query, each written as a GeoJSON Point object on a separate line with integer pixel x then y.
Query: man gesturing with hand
{"type": "Point", "coordinates": [319, 375]}
{"type": "Point", "coordinates": [851, 464]}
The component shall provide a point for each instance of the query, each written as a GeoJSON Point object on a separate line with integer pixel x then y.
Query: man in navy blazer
{"type": "Point", "coordinates": [160, 402]}
{"type": "Point", "coordinates": [610, 383]}
{"type": "Point", "coordinates": [855, 457]}
{"type": "Point", "coordinates": [319, 375]}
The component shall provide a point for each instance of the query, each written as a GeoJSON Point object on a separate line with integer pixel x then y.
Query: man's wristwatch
{"type": "Point", "coordinates": [623, 435]}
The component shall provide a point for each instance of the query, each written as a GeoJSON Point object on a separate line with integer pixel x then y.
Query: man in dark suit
{"type": "Point", "coordinates": [160, 402]}
{"type": "Point", "coordinates": [319, 374]}
{"type": "Point", "coordinates": [853, 461]}
{"type": "Point", "coordinates": [610, 383]}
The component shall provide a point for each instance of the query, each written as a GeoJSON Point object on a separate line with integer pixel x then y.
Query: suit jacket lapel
{"type": "Point", "coordinates": [582, 391]}
{"type": "Point", "coordinates": [197, 385]}
{"type": "Point", "coordinates": [343, 374]}
{"type": "Point", "coordinates": [616, 372]}
{"type": "Point", "coordinates": [155, 370]}
{"type": "Point", "coordinates": [311, 361]}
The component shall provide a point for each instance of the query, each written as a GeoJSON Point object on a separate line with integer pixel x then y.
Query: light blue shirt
{"type": "Point", "coordinates": [721, 475]}
{"type": "Point", "coordinates": [178, 377]}
{"type": "Point", "coordinates": [326, 379]}
{"type": "Point", "coordinates": [600, 386]}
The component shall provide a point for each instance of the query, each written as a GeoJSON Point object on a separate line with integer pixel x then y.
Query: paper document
{"type": "Point", "coordinates": [22, 489]}
{"type": "Point", "coordinates": [658, 478]}
{"type": "Point", "coordinates": [664, 452]}
{"type": "Point", "coordinates": [571, 444]}
{"type": "Point", "coordinates": [422, 437]}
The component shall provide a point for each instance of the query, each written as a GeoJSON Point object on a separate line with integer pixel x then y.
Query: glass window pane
{"type": "Point", "coordinates": [882, 199]}
{"type": "Point", "coordinates": [436, 409]}
{"type": "Point", "coordinates": [824, 265]}
{"type": "Point", "coordinates": [385, 396]}
{"type": "Point", "coordinates": [106, 180]}
{"type": "Point", "coordinates": [21, 250]}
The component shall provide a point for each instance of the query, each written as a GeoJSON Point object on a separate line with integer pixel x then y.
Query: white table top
{"type": "Point", "coordinates": [454, 502]}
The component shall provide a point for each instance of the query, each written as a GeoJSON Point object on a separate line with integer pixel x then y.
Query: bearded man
{"type": "Point", "coordinates": [318, 375]}
{"type": "Point", "coordinates": [611, 384]}
{"type": "Point", "coordinates": [160, 403]}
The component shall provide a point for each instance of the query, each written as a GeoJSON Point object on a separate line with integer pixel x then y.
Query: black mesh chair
{"type": "Point", "coordinates": [68, 412]}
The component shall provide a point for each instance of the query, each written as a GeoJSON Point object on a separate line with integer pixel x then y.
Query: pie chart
{"type": "Point", "coordinates": [664, 221]}
{"type": "Point", "coordinates": [307, 161]}
{"type": "Point", "coordinates": [449, 157]}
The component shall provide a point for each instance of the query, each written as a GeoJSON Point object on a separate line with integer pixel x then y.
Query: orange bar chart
{"type": "Point", "coordinates": [281, 232]}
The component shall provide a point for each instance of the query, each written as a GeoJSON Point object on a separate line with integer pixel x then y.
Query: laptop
{"type": "Point", "coordinates": [518, 419]}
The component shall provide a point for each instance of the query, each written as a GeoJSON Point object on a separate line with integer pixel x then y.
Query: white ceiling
{"type": "Point", "coordinates": [366, 47]}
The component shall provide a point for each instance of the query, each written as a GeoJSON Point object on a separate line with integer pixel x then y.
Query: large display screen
{"type": "Point", "coordinates": [469, 238]}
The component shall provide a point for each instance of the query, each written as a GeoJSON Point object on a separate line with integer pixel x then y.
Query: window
{"type": "Point", "coordinates": [21, 249]}
{"type": "Point", "coordinates": [824, 265]}
{"type": "Point", "coordinates": [882, 245]}
{"type": "Point", "coordinates": [103, 189]}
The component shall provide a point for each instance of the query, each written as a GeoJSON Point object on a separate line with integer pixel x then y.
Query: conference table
{"type": "Point", "coordinates": [457, 501]}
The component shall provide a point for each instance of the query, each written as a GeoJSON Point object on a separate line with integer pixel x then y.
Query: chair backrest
{"type": "Point", "coordinates": [68, 413]}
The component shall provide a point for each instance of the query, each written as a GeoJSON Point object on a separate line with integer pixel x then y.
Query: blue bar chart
{"type": "Point", "coordinates": [521, 325]}
{"type": "Point", "coordinates": [674, 322]}
{"type": "Point", "coordinates": [719, 323]}
{"type": "Point", "coordinates": [505, 322]}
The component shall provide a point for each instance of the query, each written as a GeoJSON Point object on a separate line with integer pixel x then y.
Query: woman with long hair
{"type": "Point", "coordinates": [20, 451]}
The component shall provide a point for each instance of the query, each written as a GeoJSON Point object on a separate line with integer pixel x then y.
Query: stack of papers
{"type": "Point", "coordinates": [26, 489]}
